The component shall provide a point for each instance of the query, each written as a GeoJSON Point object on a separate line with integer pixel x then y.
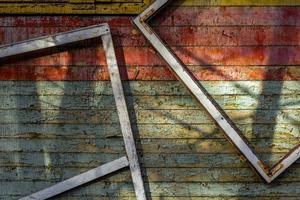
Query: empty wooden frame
{"type": "Point", "coordinates": [208, 103]}
{"type": "Point", "coordinates": [131, 158]}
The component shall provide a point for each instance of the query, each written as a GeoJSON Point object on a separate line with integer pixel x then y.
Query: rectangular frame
{"type": "Point", "coordinates": [131, 159]}
{"type": "Point", "coordinates": [199, 92]}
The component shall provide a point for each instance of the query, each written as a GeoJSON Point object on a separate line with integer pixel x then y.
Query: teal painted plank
{"type": "Point", "coordinates": [149, 160]}
{"type": "Point", "coordinates": [145, 116]}
{"type": "Point", "coordinates": [65, 197]}
{"type": "Point", "coordinates": [165, 189]}
{"type": "Point", "coordinates": [151, 174]}
{"type": "Point", "coordinates": [91, 101]}
{"type": "Point", "coordinates": [252, 88]}
{"type": "Point", "coordinates": [115, 145]}
{"type": "Point", "coordinates": [96, 197]}
{"type": "Point", "coordinates": [183, 131]}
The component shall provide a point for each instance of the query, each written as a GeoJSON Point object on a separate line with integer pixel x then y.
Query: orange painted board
{"type": "Point", "coordinates": [218, 73]}
{"type": "Point", "coordinates": [178, 36]}
{"type": "Point", "coordinates": [177, 16]}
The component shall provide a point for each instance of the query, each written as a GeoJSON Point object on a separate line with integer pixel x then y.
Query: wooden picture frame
{"type": "Point", "coordinates": [131, 158]}
{"type": "Point", "coordinates": [199, 92]}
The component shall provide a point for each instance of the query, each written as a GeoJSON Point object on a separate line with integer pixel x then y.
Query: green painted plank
{"type": "Point", "coordinates": [182, 198]}
{"type": "Point", "coordinates": [182, 131]}
{"type": "Point", "coordinates": [238, 102]}
{"type": "Point", "coordinates": [252, 88]}
{"type": "Point", "coordinates": [145, 116]}
{"type": "Point", "coordinates": [96, 197]}
{"type": "Point", "coordinates": [149, 160]}
{"type": "Point", "coordinates": [151, 174]}
{"type": "Point", "coordinates": [165, 189]}
{"type": "Point", "coordinates": [115, 145]}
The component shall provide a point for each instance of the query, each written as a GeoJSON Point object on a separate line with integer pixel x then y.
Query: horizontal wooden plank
{"type": "Point", "coordinates": [230, 16]}
{"type": "Point", "coordinates": [184, 2]}
{"type": "Point", "coordinates": [64, 21]}
{"type": "Point", "coordinates": [163, 189]}
{"type": "Point", "coordinates": [115, 145]}
{"type": "Point", "coordinates": [198, 116]}
{"type": "Point", "coordinates": [148, 88]}
{"type": "Point", "coordinates": [149, 160]}
{"type": "Point", "coordinates": [144, 56]}
{"type": "Point", "coordinates": [145, 131]}
{"type": "Point", "coordinates": [43, 7]}
{"type": "Point", "coordinates": [173, 16]}
{"type": "Point", "coordinates": [96, 197]}
{"type": "Point", "coordinates": [228, 102]}
{"type": "Point", "coordinates": [65, 197]}
{"type": "Point", "coordinates": [118, 7]}
{"type": "Point", "coordinates": [178, 36]}
{"type": "Point", "coordinates": [237, 3]}
{"type": "Point", "coordinates": [178, 175]}
{"type": "Point", "coordinates": [146, 73]}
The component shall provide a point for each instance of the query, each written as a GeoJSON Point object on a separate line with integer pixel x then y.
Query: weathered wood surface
{"type": "Point", "coordinates": [79, 180]}
{"type": "Point", "coordinates": [53, 129]}
{"type": "Point", "coordinates": [72, 6]}
{"type": "Point", "coordinates": [118, 6]}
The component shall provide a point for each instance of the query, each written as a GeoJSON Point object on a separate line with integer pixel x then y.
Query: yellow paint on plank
{"type": "Point", "coordinates": [237, 2]}
{"type": "Point", "coordinates": [74, 7]}
{"type": "Point", "coordinates": [117, 6]}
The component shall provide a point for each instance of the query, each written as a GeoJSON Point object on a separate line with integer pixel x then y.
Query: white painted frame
{"type": "Point", "coordinates": [208, 103]}
{"type": "Point", "coordinates": [131, 158]}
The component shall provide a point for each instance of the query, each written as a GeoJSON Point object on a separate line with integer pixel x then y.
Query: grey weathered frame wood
{"type": "Point", "coordinates": [131, 158]}
{"type": "Point", "coordinates": [208, 103]}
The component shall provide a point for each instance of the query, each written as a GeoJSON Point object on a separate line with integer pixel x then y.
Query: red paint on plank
{"type": "Point", "coordinates": [226, 42]}
{"type": "Point", "coordinates": [189, 55]}
{"type": "Point", "coordinates": [228, 16]}
{"type": "Point", "coordinates": [174, 16]}
{"type": "Point", "coordinates": [178, 36]}
{"type": "Point", "coordinates": [100, 73]}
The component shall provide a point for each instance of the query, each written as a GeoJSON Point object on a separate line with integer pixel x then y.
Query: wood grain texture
{"type": "Point", "coordinates": [73, 7]}
{"type": "Point", "coordinates": [80, 7]}
{"type": "Point", "coordinates": [260, 45]}
{"type": "Point", "coordinates": [58, 117]}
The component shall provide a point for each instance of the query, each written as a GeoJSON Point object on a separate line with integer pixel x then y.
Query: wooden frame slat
{"type": "Point", "coordinates": [131, 159]}
{"type": "Point", "coordinates": [80, 179]}
{"type": "Point", "coordinates": [208, 103]}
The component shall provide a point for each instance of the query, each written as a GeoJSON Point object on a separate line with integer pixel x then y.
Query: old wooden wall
{"type": "Point", "coordinates": [57, 116]}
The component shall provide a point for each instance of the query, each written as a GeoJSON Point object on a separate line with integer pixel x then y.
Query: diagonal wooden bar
{"type": "Point", "coordinates": [78, 180]}
{"type": "Point", "coordinates": [204, 99]}
{"type": "Point", "coordinates": [131, 158]}
{"type": "Point", "coordinates": [45, 42]}
{"type": "Point", "coordinates": [123, 116]}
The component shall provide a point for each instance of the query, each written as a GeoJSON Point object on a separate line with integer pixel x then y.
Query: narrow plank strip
{"type": "Point", "coordinates": [228, 102]}
{"type": "Point", "coordinates": [149, 73]}
{"type": "Point", "coordinates": [199, 56]}
{"type": "Point", "coordinates": [67, 8]}
{"type": "Point", "coordinates": [185, 35]}
{"type": "Point", "coordinates": [145, 131]}
{"type": "Point", "coordinates": [198, 116]}
{"type": "Point", "coordinates": [123, 115]}
{"type": "Point", "coordinates": [79, 180]}
{"type": "Point", "coordinates": [179, 175]}
{"type": "Point", "coordinates": [177, 189]}
{"type": "Point", "coordinates": [147, 88]}
{"type": "Point", "coordinates": [150, 160]}
{"type": "Point", "coordinates": [180, 146]}
{"type": "Point", "coordinates": [237, 3]}
{"type": "Point", "coordinates": [174, 16]}
{"type": "Point", "coordinates": [40, 43]}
